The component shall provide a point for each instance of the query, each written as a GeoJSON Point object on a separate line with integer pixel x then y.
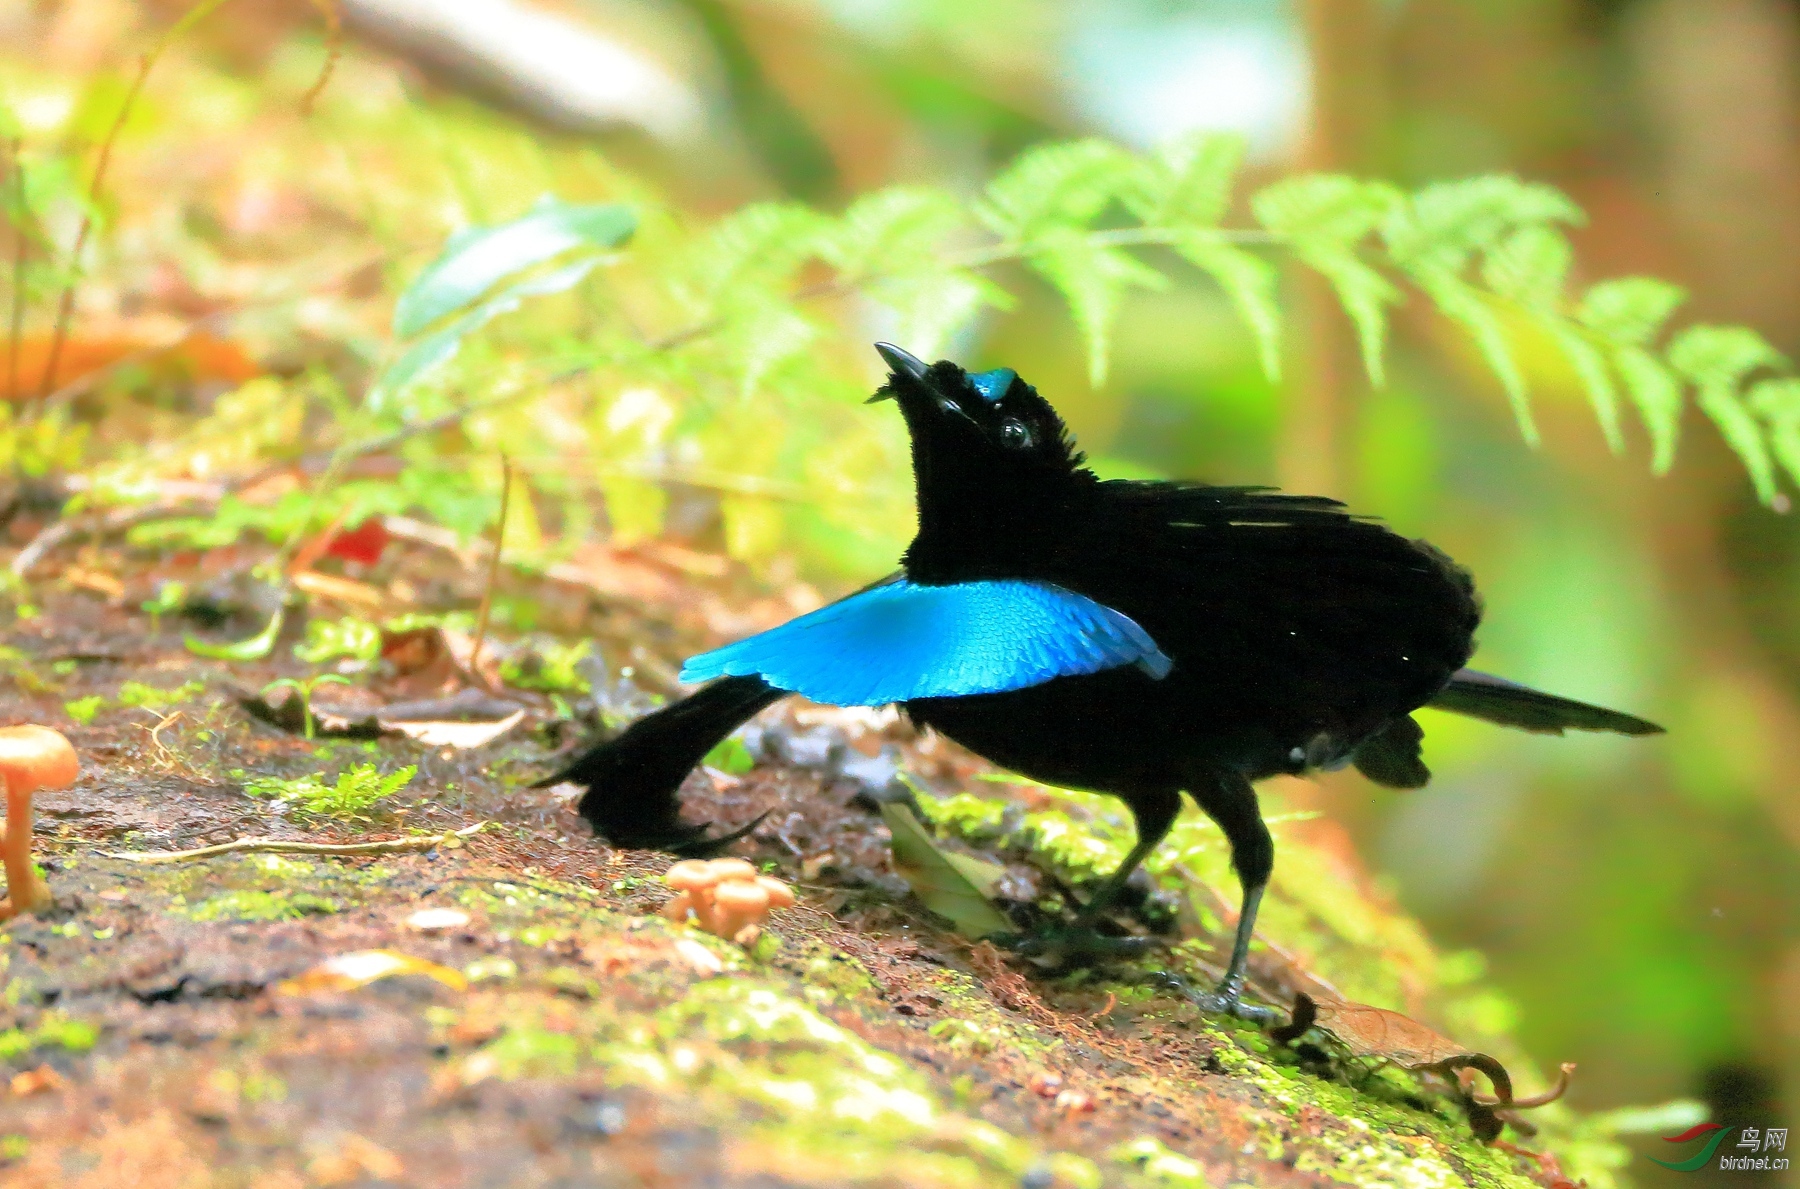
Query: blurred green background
{"type": "Point", "coordinates": [1639, 900]}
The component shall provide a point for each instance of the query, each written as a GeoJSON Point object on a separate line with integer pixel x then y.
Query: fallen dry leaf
{"type": "Point", "coordinates": [346, 972]}
{"type": "Point", "coordinates": [1367, 1031]}
{"type": "Point", "coordinates": [36, 1081]}
{"type": "Point", "coordinates": [428, 920]}
{"type": "Point", "coordinates": [355, 1159]}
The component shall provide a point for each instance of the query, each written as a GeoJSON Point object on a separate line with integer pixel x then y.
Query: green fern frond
{"type": "Point", "coordinates": [1717, 360]}
{"type": "Point", "coordinates": [1092, 280]}
{"type": "Point", "coordinates": [1187, 183]}
{"type": "Point", "coordinates": [1052, 188]}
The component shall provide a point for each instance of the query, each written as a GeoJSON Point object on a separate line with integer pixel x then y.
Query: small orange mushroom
{"type": "Point", "coordinates": [31, 758]}
{"type": "Point", "coordinates": [725, 897]}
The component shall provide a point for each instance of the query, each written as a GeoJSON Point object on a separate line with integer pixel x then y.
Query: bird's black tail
{"type": "Point", "coordinates": [632, 779]}
{"type": "Point", "coordinates": [1481, 695]}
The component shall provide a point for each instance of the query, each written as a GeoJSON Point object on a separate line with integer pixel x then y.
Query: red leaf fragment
{"type": "Point", "coordinates": [364, 543]}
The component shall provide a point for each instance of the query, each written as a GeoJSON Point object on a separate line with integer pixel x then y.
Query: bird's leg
{"type": "Point", "coordinates": [1229, 800]}
{"type": "Point", "coordinates": [1153, 812]}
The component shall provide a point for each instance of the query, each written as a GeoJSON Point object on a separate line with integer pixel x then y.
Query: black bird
{"type": "Point", "coordinates": [1133, 638]}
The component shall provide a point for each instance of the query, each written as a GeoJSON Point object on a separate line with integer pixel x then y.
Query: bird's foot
{"type": "Point", "coordinates": [1224, 1000]}
{"type": "Point", "coordinates": [1076, 944]}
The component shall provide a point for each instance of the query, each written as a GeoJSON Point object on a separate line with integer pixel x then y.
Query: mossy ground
{"type": "Point", "coordinates": [597, 1044]}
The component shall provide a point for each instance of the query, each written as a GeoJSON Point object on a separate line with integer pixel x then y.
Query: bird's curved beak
{"type": "Point", "coordinates": [901, 363]}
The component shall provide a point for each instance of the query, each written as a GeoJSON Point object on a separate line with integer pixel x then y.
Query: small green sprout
{"type": "Point", "coordinates": [170, 597]}
{"type": "Point", "coordinates": [329, 639]}
{"type": "Point", "coordinates": [148, 697]}
{"type": "Point", "coordinates": [549, 666]}
{"type": "Point", "coordinates": [304, 687]}
{"type": "Point", "coordinates": [83, 710]}
{"type": "Point", "coordinates": [355, 790]}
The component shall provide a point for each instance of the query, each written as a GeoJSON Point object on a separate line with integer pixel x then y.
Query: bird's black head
{"type": "Point", "coordinates": [992, 462]}
{"type": "Point", "coordinates": [993, 420]}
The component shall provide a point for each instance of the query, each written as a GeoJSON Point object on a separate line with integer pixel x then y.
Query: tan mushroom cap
{"type": "Point", "coordinates": [690, 874]}
{"type": "Point", "coordinates": [780, 895]}
{"type": "Point", "coordinates": [724, 869]}
{"type": "Point", "coordinates": [34, 757]}
{"type": "Point", "coordinates": [742, 897]}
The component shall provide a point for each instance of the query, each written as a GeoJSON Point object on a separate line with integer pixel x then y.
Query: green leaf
{"type": "Point", "coordinates": [1056, 188]}
{"type": "Point", "coordinates": [1777, 401]}
{"type": "Point", "coordinates": [1717, 360]}
{"type": "Point", "coordinates": [1250, 282]}
{"type": "Point", "coordinates": [1187, 183]}
{"type": "Point", "coordinates": [1530, 266]}
{"type": "Point", "coordinates": [479, 258]}
{"type": "Point", "coordinates": [1092, 280]}
{"type": "Point", "coordinates": [897, 230]}
{"type": "Point", "coordinates": [954, 886]}
{"type": "Point", "coordinates": [253, 649]}
{"type": "Point", "coordinates": [1657, 394]}
{"type": "Point", "coordinates": [767, 337]}
{"type": "Point", "coordinates": [730, 756]}
{"type": "Point", "coordinates": [440, 347]}
{"type": "Point", "coordinates": [1464, 304]}
{"type": "Point", "coordinates": [1596, 378]}
{"type": "Point", "coordinates": [1365, 294]}
{"type": "Point", "coordinates": [1629, 310]}
{"type": "Point", "coordinates": [1325, 217]}
{"type": "Point", "coordinates": [931, 307]}
{"type": "Point", "coordinates": [1442, 225]}
{"type": "Point", "coordinates": [752, 251]}
{"type": "Point", "coordinates": [1324, 208]}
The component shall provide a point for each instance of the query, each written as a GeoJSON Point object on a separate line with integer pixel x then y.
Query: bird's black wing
{"type": "Point", "coordinates": [1294, 610]}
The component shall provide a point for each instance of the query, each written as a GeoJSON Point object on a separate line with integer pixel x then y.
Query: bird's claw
{"type": "Point", "coordinates": [1072, 945]}
{"type": "Point", "coordinates": [1224, 1000]}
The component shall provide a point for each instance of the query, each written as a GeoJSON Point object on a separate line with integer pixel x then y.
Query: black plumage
{"type": "Point", "coordinates": [1301, 636]}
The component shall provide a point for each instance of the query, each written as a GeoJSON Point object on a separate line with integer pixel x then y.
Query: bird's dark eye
{"type": "Point", "coordinates": [1015, 434]}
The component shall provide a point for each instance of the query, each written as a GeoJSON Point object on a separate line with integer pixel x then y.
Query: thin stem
{"type": "Point", "coordinates": [22, 216]}
{"type": "Point", "coordinates": [65, 306]}
{"type": "Point", "coordinates": [493, 574]}
{"type": "Point", "coordinates": [334, 49]}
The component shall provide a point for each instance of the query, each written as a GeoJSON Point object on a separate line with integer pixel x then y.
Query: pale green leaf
{"type": "Point", "coordinates": [1596, 379]}
{"type": "Point", "coordinates": [766, 337]}
{"type": "Point", "coordinates": [1442, 225]}
{"type": "Point", "coordinates": [1530, 266]}
{"type": "Point", "coordinates": [1723, 356]}
{"type": "Point", "coordinates": [1056, 188]}
{"type": "Point", "coordinates": [932, 307]}
{"type": "Point", "coordinates": [1365, 294]}
{"type": "Point", "coordinates": [1717, 360]}
{"type": "Point", "coordinates": [753, 251]}
{"type": "Point", "coordinates": [1629, 310]}
{"type": "Point", "coordinates": [1464, 304]}
{"type": "Point", "coordinates": [1743, 434]}
{"type": "Point", "coordinates": [254, 648]}
{"type": "Point", "coordinates": [1093, 280]}
{"type": "Point", "coordinates": [1324, 209]}
{"type": "Point", "coordinates": [1250, 282]}
{"type": "Point", "coordinates": [479, 258]}
{"type": "Point", "coordinates": [1657, 394]}
{"type": "Point", "coordinates": [956, 890]}
{"type": "Point", "coordinates": [441, 346]}
{"type": "Point", "coordinates": [1187, 183]}
{"type": "Point", "coordinates": [1784, 438]}
{"type": "Point", "coordinates": [1777, 401]}
{"type": "Point", "coordinates": [898, 230]}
